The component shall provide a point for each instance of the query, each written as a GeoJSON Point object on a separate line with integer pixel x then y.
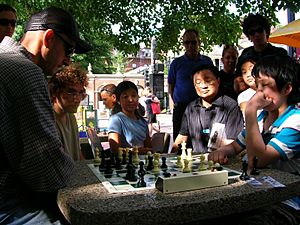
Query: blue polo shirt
{"type": "Point", "coordinates": [180, 73]}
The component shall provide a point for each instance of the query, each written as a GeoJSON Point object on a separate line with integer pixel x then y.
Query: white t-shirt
{"type": "Point", "coordinates": [245, 95]}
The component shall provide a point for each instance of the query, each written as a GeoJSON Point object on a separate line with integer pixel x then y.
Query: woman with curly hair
{"type": "Point", "coordinates": [67, 90]}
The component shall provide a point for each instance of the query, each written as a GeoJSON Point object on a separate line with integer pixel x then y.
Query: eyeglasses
{"type": "Point", "coordinates": [205, 82]}
{"type": "Point", "coordinates": [190, 42]}
{"type": "Point", "coordinates": [81, 95]}
{"type": "Point", "coordinates": [7, 22]}
{"type": "Point", "coordinates": [70, 49]}
{"type": "Point", "coordinates": [252, 31]}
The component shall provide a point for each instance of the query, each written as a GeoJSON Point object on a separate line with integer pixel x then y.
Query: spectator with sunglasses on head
{"type": "Point", "coordinates": [257, 29]}
{"type": "Point", "coordinates": [67, 90]}
{"type": "Point", "coordinates": [181, 87]}
{"type": "Point", "coordinates": [8, 19]}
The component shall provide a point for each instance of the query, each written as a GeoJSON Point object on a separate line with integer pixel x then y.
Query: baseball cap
{"type": "Point", "coordinates": [60, 21]}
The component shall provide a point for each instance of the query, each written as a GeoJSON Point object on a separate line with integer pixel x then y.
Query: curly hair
{"type": "Point", "coordinates": [254, 20]}
{"type": "Point", "coordinates": [72, 74]}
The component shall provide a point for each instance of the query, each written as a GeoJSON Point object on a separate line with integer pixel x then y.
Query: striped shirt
{"type": "Point", "coordinates": [284, 136]}
{"type": "Point", "coordinates": [197, 121]}
{"type": "Point", "coordinates": [31, 154]}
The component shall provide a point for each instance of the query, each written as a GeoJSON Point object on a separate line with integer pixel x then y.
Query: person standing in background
{"type": "Point", "coordinates": [180, 85]}
{"type": "Point", "coordinates": [257, 28]}
{"type": "Point", "coordinates": [151, 117]}
{"type": "Point", "coordinates": [67, 90]}
{"type": "Point", "coordinates": [229, 58]}
{"type": "Point", "coordinates": [8, 20]}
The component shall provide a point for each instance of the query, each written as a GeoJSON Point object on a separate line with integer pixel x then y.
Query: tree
{"type": "Point", "coordinates": [139, 20]}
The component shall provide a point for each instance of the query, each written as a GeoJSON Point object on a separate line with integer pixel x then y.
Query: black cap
{"type": "Point", "coordinates": [60, 21]}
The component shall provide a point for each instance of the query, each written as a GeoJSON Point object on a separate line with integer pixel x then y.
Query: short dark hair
{"type": "Point", "coordinates": [124, 86]}
{"type": "Point", "coordinates": [254, 20]}
{"type": "Point", "coordinates": [5, 7]}
{"type": "Point", "coordinates": [191, 31]}
{"type": "Point", "coordinates": [210, 67]}
{"type": "Point", "coordinates": [284, 70]}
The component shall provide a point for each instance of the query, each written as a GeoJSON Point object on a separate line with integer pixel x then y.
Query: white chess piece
{"type": "Point", "coordinates": [136, 158]}
{"type": "Point", "coordinates": [189, 155]}
{"type": "Point", "coordinates": [155, 167]}
{"type": "Point", "coordinates": [186, 168]}
{"type": "Point", "coordinates": [183, 148]}
{"type": "Point", "coordinates": [179, 162]}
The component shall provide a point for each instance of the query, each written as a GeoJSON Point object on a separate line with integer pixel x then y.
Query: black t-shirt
{"type": "Point", "coordinates": [227, 84]}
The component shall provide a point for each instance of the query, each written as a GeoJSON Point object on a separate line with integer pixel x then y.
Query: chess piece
{"type": "Point", "coordinates": [127, 153]}
{"type": "Point", "coordinates": [186, 168]}
{"type": "Point", "coordinates": [179, 162]}
{"type": "Point", "coordinates": [254, 170]}
{"type": "Point", "coordinates": [244, 175]}
{"type": "Point", "coordinates": [211, 165]}
{"type": "Point", "coordinates": [156, 156]}
{"type": "Point", "coordinates": [164, 166]}
{"type": "Point", "coordinates": [136, 158]}
{"type": "Point", "coordinates": [130, 175]}
{"type": "Point", "coordinates": [183, 148]}
{"type": "Point", "coordinates": [202, 163]}
{"type": "Point", "coordinates": [189, 154]}
{"type": "Point", "coordinates": [146, 158]}
{"type": "Point", "coordinates": [150, 163]}
{"type": "Point", "coordinates": [118, 165]}
{"type": "Point", "coordinates": [120, 153]}
{"type": "Point", "coordinates": [108, 170]}
{"type": "Point", "coordinates": [155, 169]}
{"type": "Point", "coordinates": [141, 174]}
{"type": "Point", "coordinates": [218, 167]}
{"type": "Point", "coordinates": [97, 159]}
{"type": "Point", "coordinates": [102, 164]}
{"type": "Point", "coordinates": [124, 161]}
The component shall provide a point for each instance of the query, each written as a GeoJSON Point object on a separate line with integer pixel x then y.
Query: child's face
{"type": "Point", "coordinates": [267, 85]}
{"type": "Point", "coordinates": [246, 73]}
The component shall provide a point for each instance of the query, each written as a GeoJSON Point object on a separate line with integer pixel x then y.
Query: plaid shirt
{"type": "Point", "coordinates": [31, 153]}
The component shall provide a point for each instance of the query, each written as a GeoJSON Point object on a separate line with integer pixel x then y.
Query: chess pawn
{"type": "Point", "coordinates": [120, 153]}
{"type": "Point", "coordinates": [127, 153]}
{"type": "Point", "coordinates": [186, 168]}
{"type": "Point", "coordinates": [156, 156]}
{"type": "Point", "coordinates": [189, 155]}
{"type": "Point", "coordinates": [97, 159]}
{"type": "Point", "coordinates": [210, 165]}
{"type": "Point", "coordinates": [155, 167]}
{"type": "Point", "coordinates": [136, 158]}
{"type": "Point", "coordinates": [202, 164]}
{"type": "Point", "coordinates": [147, 158]}
{"type": "Point", "coordinates": [179, 162]}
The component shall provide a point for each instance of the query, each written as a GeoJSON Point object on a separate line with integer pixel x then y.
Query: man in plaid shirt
{"type": "Point", "coordinates": [33, 165]}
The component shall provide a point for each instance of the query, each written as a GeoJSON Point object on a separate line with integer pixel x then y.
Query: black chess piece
{"type": "Point", "coordinates": [141, 174]}
{"type": "Point", "coordinates": [164, 166]}
{"type": "Point", "coordinates": [130, 175]}
{"type": "Point", "coordinates": [108, 170]}
{"type": "Point", "coordinates": [118, 165]}
{"type": "Point", "coordinates": [179, 152]}
{"type": "Point", "coordinates": [150, 163]}
{"type": "Point", "coordinates": [254, 170]}
{"type": "Point", "coordinates": [124, 158]}
{"type": "Point", "coordinates": [244, 175]}
{"type": "Point", "coordinates": [102, 164]}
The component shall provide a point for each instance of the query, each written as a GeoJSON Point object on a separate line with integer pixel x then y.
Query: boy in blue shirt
{"type": "Point", "coordinates": [274, 136]}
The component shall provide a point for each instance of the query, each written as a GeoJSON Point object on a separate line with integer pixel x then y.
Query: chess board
{"type": "Point", "coordinates": [116, 181]}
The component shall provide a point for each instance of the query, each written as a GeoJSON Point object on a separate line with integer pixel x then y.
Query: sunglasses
{"type": "Point", "coordinates": [190, 42]}
{"type": "Point", "coordinates": [109, 91]}
{"type": "Point", "coordinates": [70, 49]}
{"type": "Point", "coordinates": [252, 31]}
{"type": "Point", "coordinates": [7, 22]}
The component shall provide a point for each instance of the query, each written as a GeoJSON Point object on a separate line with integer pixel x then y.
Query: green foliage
{"type": "Point", "coordinates": [139, 20]}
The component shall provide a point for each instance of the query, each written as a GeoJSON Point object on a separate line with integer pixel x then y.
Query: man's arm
{"type": "Point", "coordinates": [222, 154]}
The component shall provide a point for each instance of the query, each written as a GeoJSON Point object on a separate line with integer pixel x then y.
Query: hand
{"type": "Point", "coordinates": [219, 156]}
{"type": "Point", "coordinates": [258, 101]}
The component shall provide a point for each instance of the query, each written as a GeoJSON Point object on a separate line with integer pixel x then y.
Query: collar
{"type": "Point", "coordinates": [217, 102]}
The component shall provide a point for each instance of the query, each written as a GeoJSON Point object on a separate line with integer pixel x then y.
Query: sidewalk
{"type": "Point", "coordinates": [166, 125]}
